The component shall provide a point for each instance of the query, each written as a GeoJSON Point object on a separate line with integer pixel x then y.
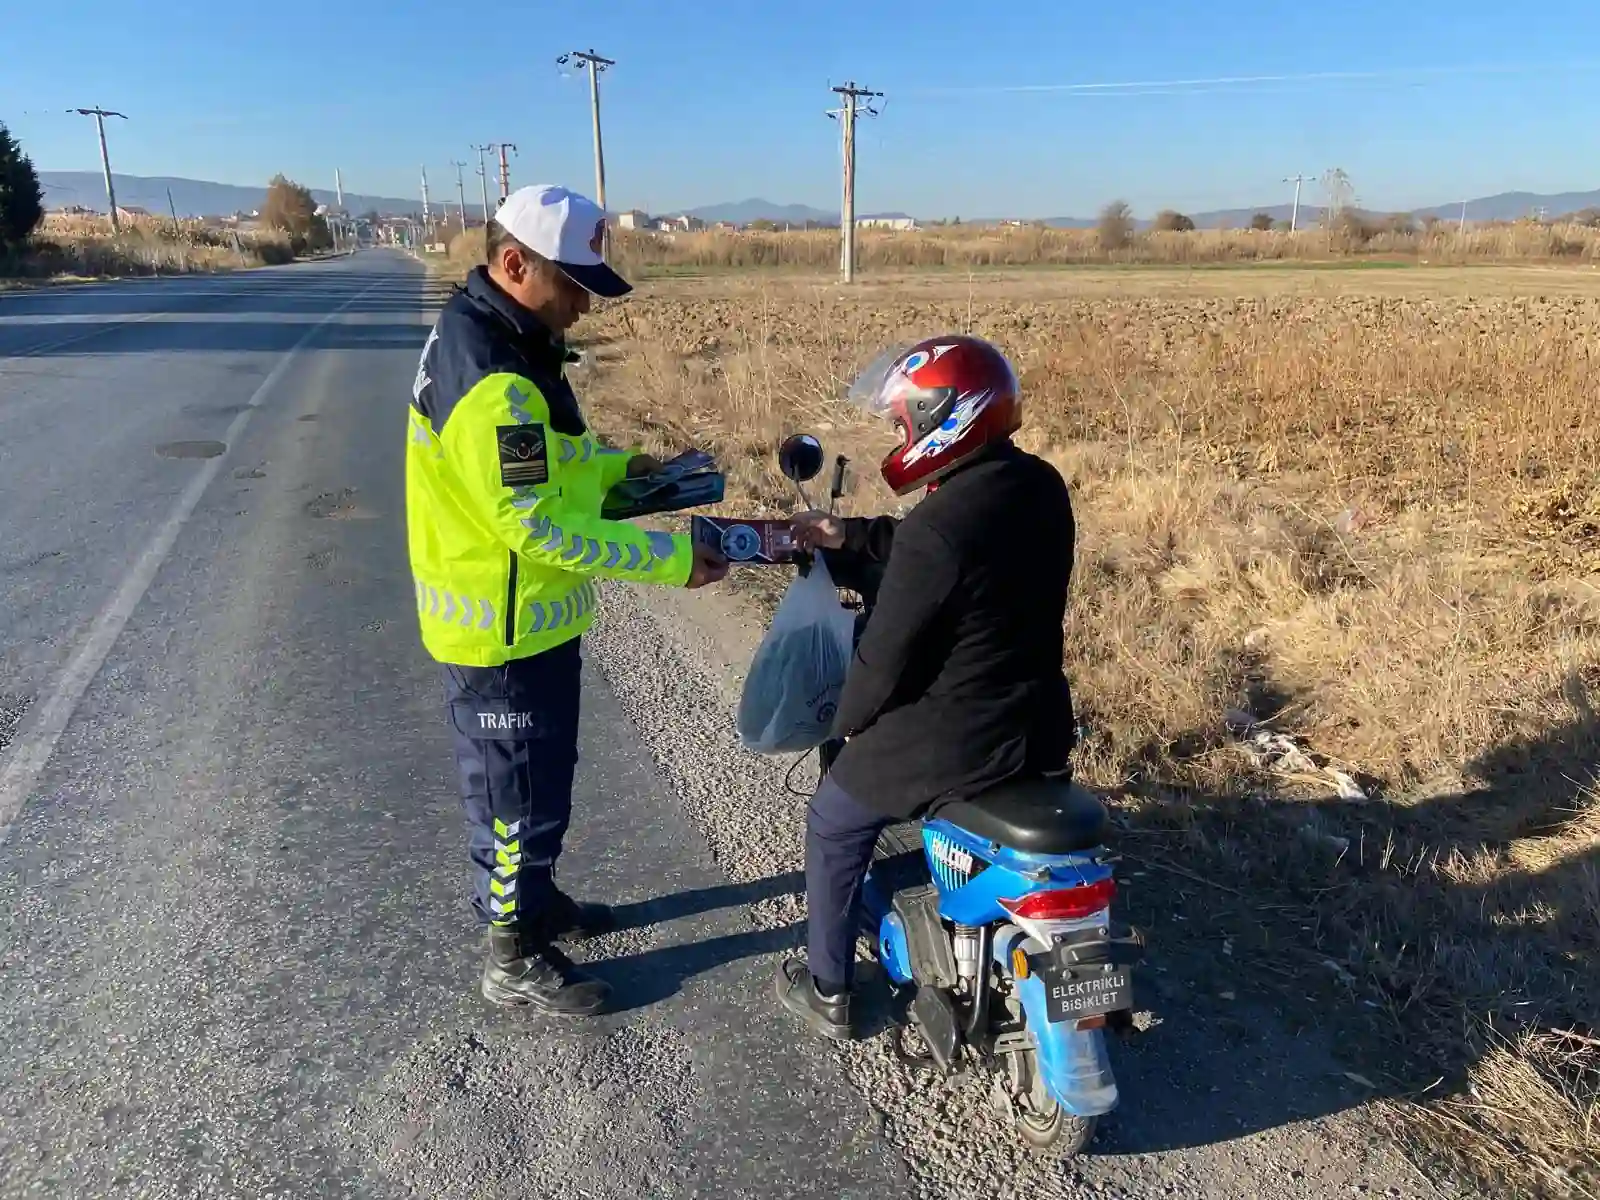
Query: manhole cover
{"type": "Point", "coordinates": [190, 449]}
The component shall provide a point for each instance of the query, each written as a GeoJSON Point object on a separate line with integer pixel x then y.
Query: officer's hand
{"type": "Point", "coordinates": [643, 464]}
{"type": "Point", "coordinates": [817, 529]}
{"type": "Point", "coordinates": [709, 567]}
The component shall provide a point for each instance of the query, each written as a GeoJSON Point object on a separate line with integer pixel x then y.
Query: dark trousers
{"type": "Point", "coordinates": [840, 835]}
{"type": "Point", "coordinates": [516, 743]}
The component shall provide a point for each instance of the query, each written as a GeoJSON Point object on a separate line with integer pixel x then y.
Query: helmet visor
{"type": "Point", "coordinates": [872, 391]}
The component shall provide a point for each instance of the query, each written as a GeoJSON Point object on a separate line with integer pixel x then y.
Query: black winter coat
{"type": "Point", "coordinates": [956, 683]}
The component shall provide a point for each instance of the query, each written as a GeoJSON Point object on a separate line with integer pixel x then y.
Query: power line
{"type": "Point", "coordinates": [100, 115]}
{"type": "Point", "coordinates": [1396, 73]}
{"type": "Point", "coordinates": [852, 96]}
{"type": "Point", "coordinates": [595, 65]}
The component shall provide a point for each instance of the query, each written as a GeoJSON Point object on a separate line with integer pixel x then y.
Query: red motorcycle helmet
{"type": "Point", "coordinates": [948, 398]}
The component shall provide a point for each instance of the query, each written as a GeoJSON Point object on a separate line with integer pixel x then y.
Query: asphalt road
{"type": "Point", "coordinates": [236, 957]}
{"type": "Point", "coordinates": [235, 952]}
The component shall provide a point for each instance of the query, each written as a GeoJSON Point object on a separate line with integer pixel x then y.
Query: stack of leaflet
{"type": "Point", "coordinates": [687, 481]}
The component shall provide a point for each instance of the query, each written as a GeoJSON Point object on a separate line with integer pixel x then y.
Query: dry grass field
{"type": "Point", "coordinates": [978, 248]}
{"type": "Point", "coordinates": [86, 247]}
{"type": "Point", "coordinates": [1358, 508]}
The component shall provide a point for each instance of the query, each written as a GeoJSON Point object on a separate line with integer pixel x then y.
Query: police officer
{"type": "Point", "coordinates": [503, 491]}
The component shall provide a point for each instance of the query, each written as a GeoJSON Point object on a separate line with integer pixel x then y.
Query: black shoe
{"type": "Point", "coordinates": [829, 1016]}
{"type": "Point", "coordinates": [571, 921]}
{"type": "Point", "coordinates": [524, 974]}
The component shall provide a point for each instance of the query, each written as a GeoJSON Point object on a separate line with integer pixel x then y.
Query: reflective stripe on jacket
{"type": "Point", "coordinates": [504, 484]}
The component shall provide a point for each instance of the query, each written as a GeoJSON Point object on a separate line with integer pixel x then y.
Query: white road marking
{"type": "Point", "coordinates": [224, 288]}
{"type": "Point", "coordinates": [37, 740]}
{"type": "Point", "coordinates": [46, 347]}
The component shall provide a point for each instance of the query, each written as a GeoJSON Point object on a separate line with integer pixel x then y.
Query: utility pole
{"type": "Point", "coordinates": [852, 95]}
{"type": "Point", "coordinates": [338, 188]}
{"type": "Point", "coordinates": [1463, 228]}
{"type": "Point", "coordinates": [173, 209]}
{"type": "Point", "coordinates": [461, 193]}
{"type": "Point", "coordinates": [427, 218]}
{"type": "Point", "coordinates": [483, 181]}
{"type": "Point", "coordinates": [1294, 213]}
{"type": "Point", "coordinates": [505, 167]}
{"type": "Point", "coordinates": [100, 115]}
{"type": "Point", "coordinates": [594, 64]}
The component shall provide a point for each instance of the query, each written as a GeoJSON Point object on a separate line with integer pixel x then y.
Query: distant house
{"type": "Point", "coordinates": [683, 223]}
{"type": "Point", "coordinates": [132, 210]}
{"type": "Point", "coordinates": [886, 223]}
{"type": "Point", "coordinates": [633, 218]}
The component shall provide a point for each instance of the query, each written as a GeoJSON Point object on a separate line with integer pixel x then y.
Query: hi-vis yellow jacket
{"type": "Point", "coordinates": [503, 491]}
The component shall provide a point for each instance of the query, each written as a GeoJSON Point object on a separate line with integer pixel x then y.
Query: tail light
{"type": "Point", "coordinates": [1064, 904]}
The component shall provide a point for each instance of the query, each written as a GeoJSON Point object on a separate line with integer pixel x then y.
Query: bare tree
{"type": "Point", "coordinates": [1116, 225]}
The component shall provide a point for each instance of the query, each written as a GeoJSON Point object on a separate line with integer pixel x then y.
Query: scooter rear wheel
{"type": "Point", "coordinates": [1038, 1116]}
{"type": "Point", "coordinates": [1056, 1132]}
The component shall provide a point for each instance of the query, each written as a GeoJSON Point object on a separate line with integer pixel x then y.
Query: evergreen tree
{"type": "Point", "coordinates": [21, 197]}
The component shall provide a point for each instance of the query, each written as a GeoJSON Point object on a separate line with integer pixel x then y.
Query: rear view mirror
{"type": "Point", "coordinates": [800, 457]}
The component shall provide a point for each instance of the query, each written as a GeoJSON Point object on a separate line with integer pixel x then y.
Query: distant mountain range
{"type": "Point", "coordinates": [195, 198]}
{"type": "Point", "coordinates": [198, 198]}
{"type": "Point", "coordinates": [743, 212]}
{"type": "Point", "coordinates": [1506, 206]}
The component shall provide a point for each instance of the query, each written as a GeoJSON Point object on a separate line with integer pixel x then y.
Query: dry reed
{"type": "Point", "coordinates": [87, 246]}
{"type": "Point", "coordinates": [974, 248]}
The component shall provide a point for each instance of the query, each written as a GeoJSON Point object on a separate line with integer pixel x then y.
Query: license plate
{"type": "Point", "coordinates": [1092, 993]}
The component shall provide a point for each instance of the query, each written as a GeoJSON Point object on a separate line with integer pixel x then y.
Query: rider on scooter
{"type": "Point", "coordinates": [956, 682]}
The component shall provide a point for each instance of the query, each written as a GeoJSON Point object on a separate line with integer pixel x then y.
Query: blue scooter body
{"type": "Point", "coordinates": [972, 876]}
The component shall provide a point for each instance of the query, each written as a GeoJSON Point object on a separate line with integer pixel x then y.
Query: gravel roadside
{"type": "Point", "coordinates": [1219, 1098]}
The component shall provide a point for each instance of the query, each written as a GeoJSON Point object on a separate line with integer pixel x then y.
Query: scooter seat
{"type": "Point", "coordinates": [1039, 815]}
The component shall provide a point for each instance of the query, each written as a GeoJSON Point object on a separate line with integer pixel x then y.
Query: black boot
{"type": "Point", "coordinates": [568, 920]}
{"type": "Point", "coordinates": [827, 1015]}
{"type": "Point", "coordinates": [527, 972]}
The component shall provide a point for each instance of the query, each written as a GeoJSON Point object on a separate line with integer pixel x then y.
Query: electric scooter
{"type": "Point", "coordinates": [991, 918]}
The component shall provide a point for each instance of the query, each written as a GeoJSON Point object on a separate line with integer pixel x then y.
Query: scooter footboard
{"type": "Point", "coordinates": [1073, 1063]}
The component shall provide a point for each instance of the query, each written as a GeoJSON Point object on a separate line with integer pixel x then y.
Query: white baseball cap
{"type": "Point", "coordinates": [568, 229]}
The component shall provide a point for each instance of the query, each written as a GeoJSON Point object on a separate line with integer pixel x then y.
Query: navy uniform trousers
{"type": "Point", "coordinates": [516, 744]}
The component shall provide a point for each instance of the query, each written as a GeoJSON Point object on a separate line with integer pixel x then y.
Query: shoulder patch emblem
{"type": "Point", "coordinates": [524, 455]}
{"type": "Point", "coordinates": [422, 380]}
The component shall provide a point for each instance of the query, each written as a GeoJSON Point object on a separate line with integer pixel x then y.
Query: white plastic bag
{"type": "Point", "coordinates": [792, 691]}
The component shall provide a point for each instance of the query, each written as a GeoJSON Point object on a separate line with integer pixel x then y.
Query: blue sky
{"type": "Point", "coordinates": [714, 102]}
